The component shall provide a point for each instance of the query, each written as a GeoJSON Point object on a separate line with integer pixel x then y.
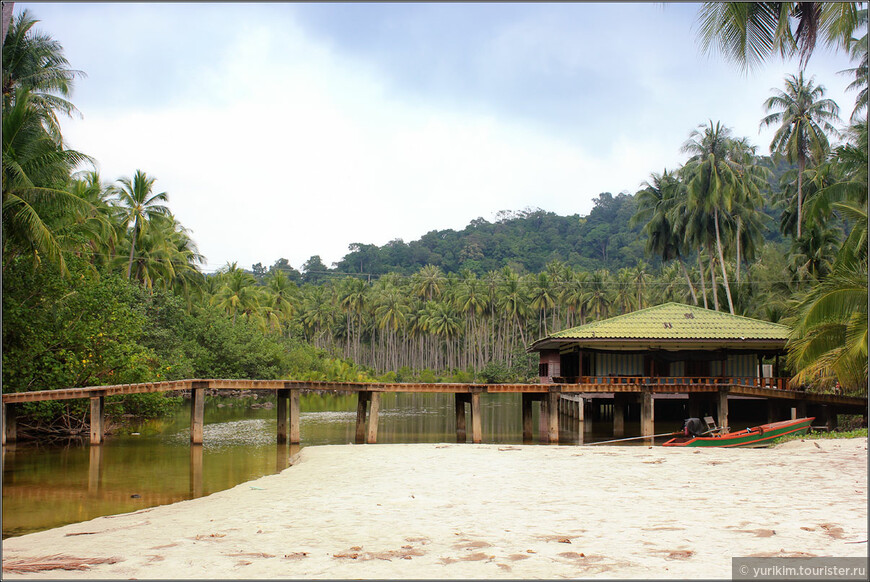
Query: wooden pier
{"type": "Point", "coordinates": [554, 400]}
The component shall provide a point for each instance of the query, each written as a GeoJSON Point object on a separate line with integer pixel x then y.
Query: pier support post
{"type": "Point", "coordinates": [544, 420]}
{"type": "Point", "coordinates": [618, 414]}
{"type": "Point", "coordinates": [372, 433]}
{"type": "Point", "coordinates": [283, 395]}
{"type": "Point", "coordinates": [723, 407]}
{"type": "Point", "coordinates": [197, 411]}
{"type": "Point", "coordinates": [10, 424]}
{"type": "Point", "coordinates": [97, 419]}
{"type": "Point", "coordinates": [95, 469]}
{"type": "Point", "coordinates": [362, 400]}
{"type": "Point", "coordinates": [527, 417]}
{"type": "Point", "coordinates": [830, 417]}
{"type": "Point", "coordinates": [459, 401]}
{"type": "Point", "coordinates": [295, 411]}
{"type": "Point", "coordinates": [553, 421]}
{"type": "Point", "coordinates": [195, 482]}
{"type": "Point", "coordinates": [647, 412]}
{"type": "Point", "coordinates": [476, 420]}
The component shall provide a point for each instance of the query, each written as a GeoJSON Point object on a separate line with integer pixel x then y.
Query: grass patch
{"type": "Point", "coordinates": [836, 434]}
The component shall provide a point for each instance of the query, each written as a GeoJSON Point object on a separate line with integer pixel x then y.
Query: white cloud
{"type": "Point", "coordinates": [280, 144]}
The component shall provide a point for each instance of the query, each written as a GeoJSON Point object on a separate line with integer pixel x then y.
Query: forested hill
{"type": "Point", "coordinates": [525, 240]}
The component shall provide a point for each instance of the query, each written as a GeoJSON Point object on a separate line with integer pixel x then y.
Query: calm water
{"type": "Point", "coordinates": [49, 486]}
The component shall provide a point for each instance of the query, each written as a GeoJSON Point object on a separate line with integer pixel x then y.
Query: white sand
{"type": "Point", "coordinates": [489, 511]}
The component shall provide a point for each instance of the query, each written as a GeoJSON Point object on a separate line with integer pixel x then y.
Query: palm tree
{"type": "Point", "coordinates": [712, 180]}
{"type": "Point", "coordinates": [33, 63]}
{"type": "Point", "coordinates": [859, 53]}
{"type": "Point", "coordinates": [598, 297]}
{"type": "Point", "coordinates": [829, 338]}
{"type": "Point", "coordinates": [238, 293]}
{"type": "Point", "coordinates": [805, 120]}
{"type": "Point", "coordinates": [656, 207]}
{"type": "Point", "coordinates": [428, 282]}
{"type": "Point", "coordinates": [36, 168]}
{"type": "Point", "coordinates": [542, 297]}
{"type": "Point", "coordinates": [140, 205]}
{"type": "Point", "coordinates": [748, 33]}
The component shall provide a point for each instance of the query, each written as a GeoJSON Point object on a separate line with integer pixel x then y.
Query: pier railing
{"type": "Point", "coordinates": [597, 381]}
{"type": "Point", "coordinates": [549, 395]}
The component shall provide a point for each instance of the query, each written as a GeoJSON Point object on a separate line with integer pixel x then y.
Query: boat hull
{"type": "Point", "coordinates": [750, 437]}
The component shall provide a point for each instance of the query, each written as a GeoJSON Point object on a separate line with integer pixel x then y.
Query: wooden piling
{"type": "Point", "coordinates": [283, 395]}
{"type": "Point", "coordinates": [10, 424]}
{"type": "Point", "coordinates": [830, 417]}
{"type": "Point", "coordinates": [97, 419]}
{"type": "Point", "coordinates": [459, 401]}
{"type": "Point", "coordinates": [553, 421]}
{"type": "Point", "coordinates": [372, 433]}
{"type": "Point", "coordinates": [95, 469]}
{"type": "Point", "coordinates": [295, 411]}
{"type": "Point", "coordinates": [476, 420]}
{"type": "Point", "coordinates": [647, 412]}
{"type": "Point", "coordinates": [618, 414]}
{"type": "Point", "coordinates": [527, 417]}
{"type": "Point", "coordinates": [362, 400]}
{"type": "Point", "coordinates": [722, 407]}
{"type": "Point", "coordinates": [197, 411]}
{"type": "Point", "coordinates": [195, 475]}
{"type": "Point", "coordinates": [544, 420]}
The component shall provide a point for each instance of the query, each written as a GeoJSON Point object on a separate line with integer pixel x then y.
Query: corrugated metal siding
{"type": "Point", "coordinates": [716, 368]}
{"type": "Point", "coordinates": [744, 366]}
{"type": "Point", "coordinates": [619, 364]}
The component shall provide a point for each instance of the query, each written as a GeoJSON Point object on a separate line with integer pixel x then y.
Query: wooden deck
{"type": "Point", "coordinates": [550, 397]}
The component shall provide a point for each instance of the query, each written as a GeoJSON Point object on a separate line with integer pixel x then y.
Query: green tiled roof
{"type": "Point", "coordinates": [675, 322]}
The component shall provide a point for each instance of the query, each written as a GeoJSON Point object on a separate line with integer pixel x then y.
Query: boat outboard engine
{"type": "Point", "coordinates": [694, 427]}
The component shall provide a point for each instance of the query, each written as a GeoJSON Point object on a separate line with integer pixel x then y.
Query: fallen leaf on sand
{"type": "Point", "coordinates": [54, 562]}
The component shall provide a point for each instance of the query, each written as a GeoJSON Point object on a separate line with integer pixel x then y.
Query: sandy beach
{"type": "Point", "coordinates": [487, 511]}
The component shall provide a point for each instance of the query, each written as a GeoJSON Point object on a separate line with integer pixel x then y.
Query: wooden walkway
{"type": "Point", "coordinates": [553, 398]}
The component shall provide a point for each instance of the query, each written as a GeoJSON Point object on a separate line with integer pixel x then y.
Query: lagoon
{"type": "Point", "coordinates": [152, 463]}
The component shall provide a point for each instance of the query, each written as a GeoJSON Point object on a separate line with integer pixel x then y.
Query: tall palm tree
{"type": "Point", "coordinates": [36, 168]}
{"type": "Point", "coordinates": [805, 120]}
{"type": "Point", "coordinates": [238, 293]}
{"type": "Point", "coordinates": [748, 33]}
{"type": "Point", "coordinates": [656, 208]}
{"type": "Point", "coordinates": [139, 205]}
{"type": "Point", "coordinates": [712, 182]}
{"type": "Point", "coordinates": [34, 63]}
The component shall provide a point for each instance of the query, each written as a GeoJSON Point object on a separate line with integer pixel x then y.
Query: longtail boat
{"type": "Point", "coordinates": [754, 436]}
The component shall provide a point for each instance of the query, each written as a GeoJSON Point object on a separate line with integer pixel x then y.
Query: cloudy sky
{"type": "Point", "coordinates": [289, 130]}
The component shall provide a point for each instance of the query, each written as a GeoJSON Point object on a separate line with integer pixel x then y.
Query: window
{"type": "Point", "coordinates": [543, 370]}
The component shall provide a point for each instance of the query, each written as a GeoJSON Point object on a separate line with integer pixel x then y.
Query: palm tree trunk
{"type": "Point", "coordinates": [688, 280]}
{"type": "Point", "coordinates": [722, 263]}
{"type": "Point", "coordinates": [703, 280]}
{"type": "Point", "coordinates": [801, 164]}
{"type": "Point", "coordinates": [713, 280]}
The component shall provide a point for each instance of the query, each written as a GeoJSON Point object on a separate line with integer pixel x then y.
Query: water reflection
{"type": "Point", "coordinates": [153, 463]}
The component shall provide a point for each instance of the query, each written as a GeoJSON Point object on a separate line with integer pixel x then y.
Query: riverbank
{"type": "Point", "coordinates": [486, 511]}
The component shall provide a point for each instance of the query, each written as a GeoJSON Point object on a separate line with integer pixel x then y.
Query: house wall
{"type": "Point", "coordinates": [743, 365]}
{"type": "Point", "coordinates": [618, 365]}
{"type": "Point", "coordinates": [551, 363]}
